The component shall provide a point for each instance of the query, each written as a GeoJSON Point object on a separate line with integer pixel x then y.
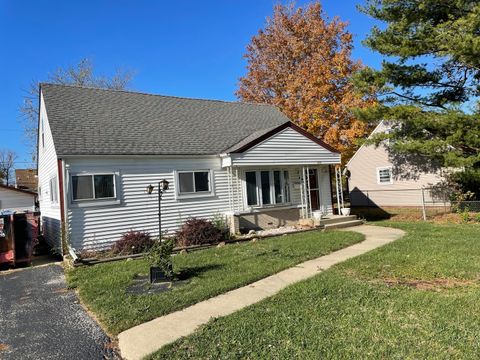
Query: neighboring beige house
{"type": "Point", "coordinates": [376, 179]}
{"type": "Point", "coordinates": [16, 199]}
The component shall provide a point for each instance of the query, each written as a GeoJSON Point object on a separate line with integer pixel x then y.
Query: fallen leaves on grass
{"type": "Point", "coordinates": [432, 285]}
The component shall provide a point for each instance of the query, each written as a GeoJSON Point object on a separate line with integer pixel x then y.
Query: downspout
{"type": "Point", "coordinates": [62, 175]}
{"type": "Point", "coordinates": [71, 251]}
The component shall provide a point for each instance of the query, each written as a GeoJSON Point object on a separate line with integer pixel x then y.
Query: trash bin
{"type": "Point", "coordinates": [18, 236]}
{"type": "Point", "coordinates": [7, 254]}
{"type": "Point", "coordinates": [25, 235]}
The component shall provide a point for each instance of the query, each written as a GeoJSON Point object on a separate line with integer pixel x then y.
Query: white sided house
{"type": "Point", "coordinates": [17, 200]}
{"type": "Point", "coordinates": [376, 179]}
{"type": "Point", "coordinates": [100, 150]}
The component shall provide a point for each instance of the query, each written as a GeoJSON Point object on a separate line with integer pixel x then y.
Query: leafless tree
{"type": "Point", "coordinates": [81, 74]}
{"type": "Point", "coordinates": [7, 164]}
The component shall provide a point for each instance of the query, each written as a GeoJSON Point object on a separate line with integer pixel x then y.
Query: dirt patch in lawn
{"type": "Point", "coordinates": [431, 285]}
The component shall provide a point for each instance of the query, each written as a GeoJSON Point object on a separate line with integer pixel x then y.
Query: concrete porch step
{"type": "Point", "coordinates": [334, 219]}
{"type": "Point", "coordinates": [344, 224]}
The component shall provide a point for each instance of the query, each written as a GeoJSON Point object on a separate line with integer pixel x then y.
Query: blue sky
{"type": "Point", "coordinates": [185, 48]}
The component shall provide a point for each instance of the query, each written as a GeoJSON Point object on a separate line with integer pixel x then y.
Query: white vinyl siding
{"type": "Point", "coordinates": [101, 225]}
{"type": "Point", "coordinates": [48, 169]}
{"type": "Point", "coordinates": [288, 147]}
{"type": "Point", "coordinates": [402, 191]}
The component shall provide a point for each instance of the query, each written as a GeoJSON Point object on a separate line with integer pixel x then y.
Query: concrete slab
{"type": "Point", "coordinates": [141, 340]}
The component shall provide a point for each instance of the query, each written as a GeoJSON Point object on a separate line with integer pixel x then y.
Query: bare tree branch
{"type": "Point", "coordinates": [81, 74]}
{"type": "Point", "coordinates": [7, 164]}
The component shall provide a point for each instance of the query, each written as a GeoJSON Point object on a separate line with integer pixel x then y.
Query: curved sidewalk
{"type": "Point", "coordinates": [141, 340]}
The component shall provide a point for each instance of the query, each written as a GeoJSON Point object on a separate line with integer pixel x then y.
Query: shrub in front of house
{"type": "Point", "coordinates": [133, 242]}
{"type": "Point", "coordinates": [160, 256]}
{"type": "Point", "coordinates": [197, 231]}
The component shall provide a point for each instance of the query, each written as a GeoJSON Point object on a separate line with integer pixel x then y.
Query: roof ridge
{"type": "Point", "coordinates": [157, 95]}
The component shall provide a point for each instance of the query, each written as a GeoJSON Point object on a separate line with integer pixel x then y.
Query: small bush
{"type": "Point", "coordinates": [220, 222]}
{"type": "Point", "coordinates": [160, 255]}
{"type": "Point", "coordinates": [198, 232]}
{"type": "Point", "coordinates": [133, 242]}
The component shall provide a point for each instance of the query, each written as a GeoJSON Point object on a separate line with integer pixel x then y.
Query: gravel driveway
{"type": "Point", "coordinates": [41, 319]}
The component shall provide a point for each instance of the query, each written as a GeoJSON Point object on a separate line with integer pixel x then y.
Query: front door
{"type": "Point", "coordinates": [314, 189]}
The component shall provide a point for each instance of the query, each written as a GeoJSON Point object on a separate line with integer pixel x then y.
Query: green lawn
{"type": "Point", "coordinates": [211, 272]}
{"type": "Point", "coordinates": [416, 298]}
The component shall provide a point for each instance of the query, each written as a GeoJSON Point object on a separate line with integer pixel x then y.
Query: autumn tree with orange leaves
{"type": "Point", "coordinates": [301, 62]}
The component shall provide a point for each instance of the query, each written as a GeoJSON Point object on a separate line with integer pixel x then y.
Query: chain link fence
{"type": "Point", "coordinates": [422, 203]}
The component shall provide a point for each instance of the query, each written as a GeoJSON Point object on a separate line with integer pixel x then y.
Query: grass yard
{"type": "Point", "coordinates": [416, 298]}
{"type": "Point", "coordinates": [102, 287]}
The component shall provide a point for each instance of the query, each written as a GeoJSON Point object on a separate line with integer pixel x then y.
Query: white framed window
{"type": "Point", "coordinates": [264, 188]}
{"type": "Point", "coordinates": [53, 190]}
{"type": "Point", "coordinates": [194, 183]}
{"type": "Point", "coordinates": [384, 175]}
{"type": "Point", "coordinates": [42, 128]}
{"type": "Point", "coordinates": [93, 187]}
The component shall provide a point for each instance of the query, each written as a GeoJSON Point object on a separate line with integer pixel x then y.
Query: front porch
{"type": "Point", "coordinates": [267, 197]}
{"type": "Point", "coordinates": [278, 178]}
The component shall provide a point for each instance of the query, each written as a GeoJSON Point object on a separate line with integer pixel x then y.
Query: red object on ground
{"type": "Point", "coordinates": [18, 236]}
{"type": "Point", "coordinates": [7, 254]}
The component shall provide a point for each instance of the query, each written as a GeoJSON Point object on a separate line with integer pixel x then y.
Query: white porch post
{"type": "Point", "coordinates": [306, 195]}
{"type": "Point", "coordinates": [338, 183]}
{"type": "Point", "coordinates": [309, 204]}
{"type": "Point", "coordinates": [302, 195]}
{"type": "Point", "coordinates": [230, 190]}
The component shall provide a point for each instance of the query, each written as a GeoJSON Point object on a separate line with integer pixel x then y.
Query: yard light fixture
{"type": "Point", "coordinates": [162, 187]}
{"type": "Point", "coordinates": [149, 189]}
{"type": "Point", "coordinates": [163, 184]}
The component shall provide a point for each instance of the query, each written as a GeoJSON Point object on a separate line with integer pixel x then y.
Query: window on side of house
{"type": "Point", "coordinates": [384, 176]}
{"type": "Point", "coordinates": [42, 126]}
{"type": "Point", "coordinates": [267, 187]}
{"type": "Point", "coordinates": [53, 190]}
{"type": "Point", "coordinates": [194, 182]}
{"type": "Point", "coordinates": [93, 187]}
{"type": "Point", "coordinates": [251, 184]}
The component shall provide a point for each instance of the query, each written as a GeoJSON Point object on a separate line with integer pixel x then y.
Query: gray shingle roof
{"type": "Point", "coordinates": [89, 121]}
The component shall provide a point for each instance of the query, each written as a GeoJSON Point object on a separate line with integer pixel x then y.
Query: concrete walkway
{"type": "Point", "coordinates": [141, 340]}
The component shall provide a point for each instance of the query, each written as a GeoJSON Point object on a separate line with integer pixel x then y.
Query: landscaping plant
{"type": "Point", "coordinates": [133, 242]}
{"type": "Point", "coordinates": [160, 256]}
{"type": "Point", "coordinates": [198, 232]}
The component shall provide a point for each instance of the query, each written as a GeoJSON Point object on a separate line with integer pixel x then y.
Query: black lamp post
{"type": "Point", "coordinates": [162, 187]}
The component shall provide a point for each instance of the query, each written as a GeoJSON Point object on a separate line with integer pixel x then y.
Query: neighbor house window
{"type": "Point", "coordinates": [194, 182]}
{"type": "Point", "coordinates": [267, 187]}
{"type": "Point", "coordinates": [93, 187]}
{"type": "Point", "coordinates": [384, 175]}
{"type": "Point", "coordinates": [53, 190]}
